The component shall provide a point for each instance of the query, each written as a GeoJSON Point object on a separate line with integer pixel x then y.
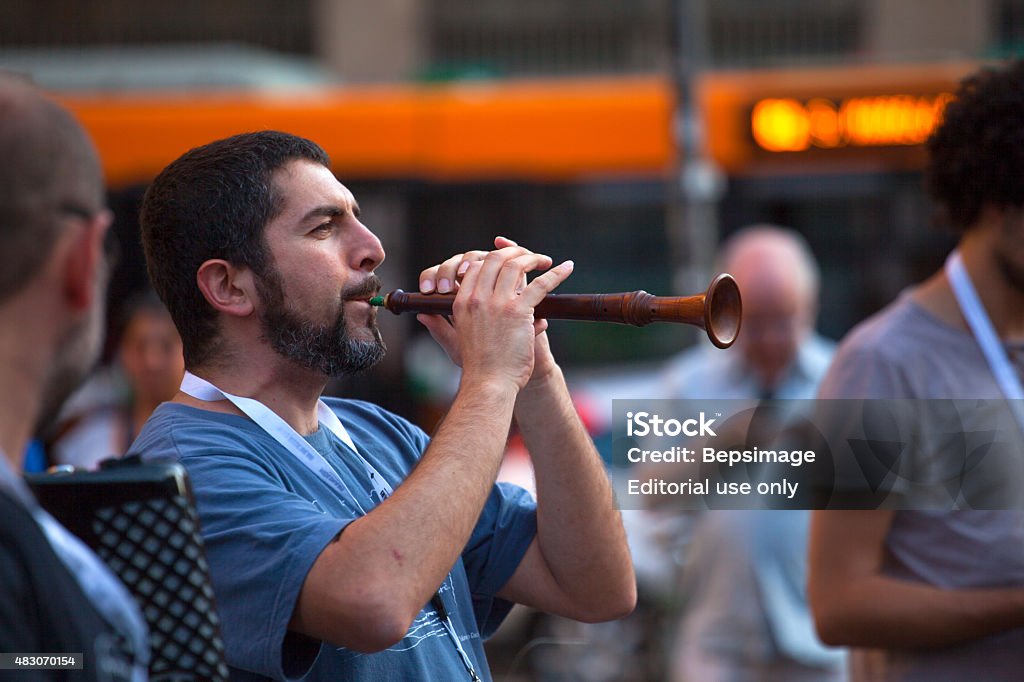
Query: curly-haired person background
{"type": "Point", "coordinates": [939, 595]}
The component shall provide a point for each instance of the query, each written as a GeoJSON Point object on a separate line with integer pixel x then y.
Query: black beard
{"type": "Point", "coordinates": [326, 349]}
{"type": "Point", "coordinates": [1010, 271]}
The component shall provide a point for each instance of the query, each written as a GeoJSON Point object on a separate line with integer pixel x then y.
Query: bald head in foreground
{"type": "Point", "coordinates": [55, 595]}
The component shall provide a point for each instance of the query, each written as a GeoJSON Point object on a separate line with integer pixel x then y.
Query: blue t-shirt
{"type": "Point", "coordinates": [266, 518]}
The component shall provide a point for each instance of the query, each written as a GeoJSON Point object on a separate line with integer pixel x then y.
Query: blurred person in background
{"type": "Point", "coordinates": [778, 353]}
{"type": "Point", "coordinates": [56, 596]}
{"type": "Point", "coordinates": [150, 362]}
{"type": "Point", "coordinates": [745, 615]}
{"type": "Point", "coordinates": [939, 595]}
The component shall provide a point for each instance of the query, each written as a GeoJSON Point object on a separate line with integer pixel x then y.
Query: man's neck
{"type": "Point", "coordinates": [18, 413]}
{"type": "Point", "coordinates": [288, 391]}
{"type": "Point", "coordinates": [24, 349]}
{"type": "Point", "coordinates": [14, 462]}
{"type": "Point", "coordinates": [1003, 302]}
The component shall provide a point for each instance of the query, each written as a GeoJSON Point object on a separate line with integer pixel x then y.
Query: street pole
{"type": "Point", "coordinates": [697, 184]}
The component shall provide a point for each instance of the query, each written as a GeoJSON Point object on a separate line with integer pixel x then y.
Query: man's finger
{"type": "Point", "coordinates": [544, 284]}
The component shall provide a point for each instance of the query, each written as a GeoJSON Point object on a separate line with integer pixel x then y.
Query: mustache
{"type": "Point", "coordinates": [368, 288]}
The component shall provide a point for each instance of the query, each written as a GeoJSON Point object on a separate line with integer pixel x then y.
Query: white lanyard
{"type": "Point", "coordinates": [107, 595]}
{"type": "Point", "coordinates": [985, 334]}
{"type": "Point", "coordinates": [446, 620]}
{"type": "Point", "coordinates": [279, 430]}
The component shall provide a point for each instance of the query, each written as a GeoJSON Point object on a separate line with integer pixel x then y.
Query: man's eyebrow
{"type": "Point", "coordinates": [330, 211]}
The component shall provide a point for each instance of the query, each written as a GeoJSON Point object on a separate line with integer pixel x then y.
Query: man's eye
{"type": "Point", "coordinates": [323, 228]}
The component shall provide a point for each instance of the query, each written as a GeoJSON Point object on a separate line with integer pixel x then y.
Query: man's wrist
{"type": "Point", "coordinates": [543, 379]}
{"type": "Point", "coordinates": [492, 385]}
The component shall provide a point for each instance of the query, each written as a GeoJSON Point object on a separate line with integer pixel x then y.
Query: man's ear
{"type": "Point", "coordinates": [227, 288]}
{"type": "Point", "coordinates": [84, 273]}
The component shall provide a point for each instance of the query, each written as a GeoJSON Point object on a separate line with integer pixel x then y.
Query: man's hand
{"type": "Point", "coordinates": [580, 549]}
{"type": "Point", "coordinates": [493, 333]}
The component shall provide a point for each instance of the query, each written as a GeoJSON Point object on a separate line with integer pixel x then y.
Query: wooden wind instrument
{"type": "Point", "coordinates": [717, 311]}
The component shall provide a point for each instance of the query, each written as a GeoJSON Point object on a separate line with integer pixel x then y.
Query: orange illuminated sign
{"type": "Point", "coordinates": [547, 129]}
{"type": "Point", "coordinates": [795, 125]}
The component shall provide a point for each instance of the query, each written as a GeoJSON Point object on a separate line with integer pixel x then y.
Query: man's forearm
{"type": "Point", "coordinates": [888, 613]}
{"type": "Point", "coordinates": [579, 531]}
{"type": "Point", "coordinates": [391, 560]}
{"type": "Point", "coordinates": [856, 604]}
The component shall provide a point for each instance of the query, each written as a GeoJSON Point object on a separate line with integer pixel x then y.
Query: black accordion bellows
{"type": "Point", "coordinates": [141, 520]}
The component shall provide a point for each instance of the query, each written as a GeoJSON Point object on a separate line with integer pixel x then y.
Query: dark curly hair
{"type": "Point", "coordinates": [213, 202]}
{"type": "Point", "coordinates": [976, 155]}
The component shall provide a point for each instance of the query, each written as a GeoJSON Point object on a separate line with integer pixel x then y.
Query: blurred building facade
{"type": "Point", "coordinates": [865, 219]}
{"type": "Point", "coordinates": [402, 39]}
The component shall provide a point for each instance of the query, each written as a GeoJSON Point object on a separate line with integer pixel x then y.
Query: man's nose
{"type": "Point", "coordinates": [367, 251]}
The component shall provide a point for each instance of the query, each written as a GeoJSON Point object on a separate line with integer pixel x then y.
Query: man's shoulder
{"type": "Point", "coordinates": [890, 331]}
{"type": "Point", "coordinates": [26, 556]}
{"type": "Point", "coordinates": [40, 595]}
{"type": "Point", "coordinates": [177, 431]}
{"type": "Point", "coordinates": [16, 522]}
{"type": "Point", "coordinates": [174, 414]}
{"type": "Point", "coordinates": [174, 431]}
{"type": "Point", "coordinates": [884, 356]}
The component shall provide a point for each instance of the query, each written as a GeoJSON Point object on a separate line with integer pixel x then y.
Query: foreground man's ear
{"type": "Point", "coordinates": [229, 289]}
{"type": "Point", "coordinates": [81, 260]}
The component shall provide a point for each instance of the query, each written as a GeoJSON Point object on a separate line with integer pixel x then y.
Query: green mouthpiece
{"type": "Point", "coordinates": [377, 300]}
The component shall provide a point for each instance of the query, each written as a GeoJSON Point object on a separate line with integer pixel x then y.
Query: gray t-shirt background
{"type": "Point", "coordinates": [906, 352]}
